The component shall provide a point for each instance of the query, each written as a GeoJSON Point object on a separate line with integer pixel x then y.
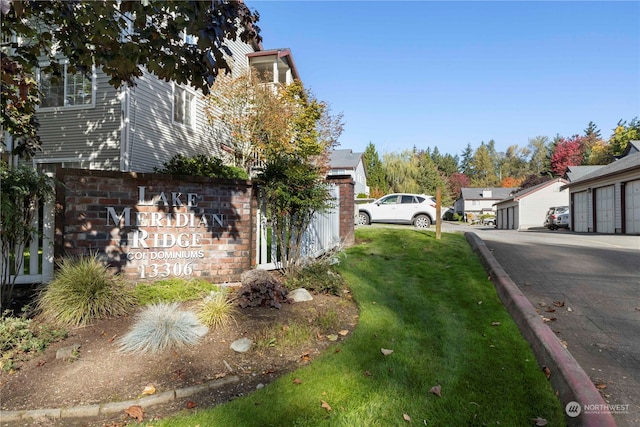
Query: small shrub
{"type": "Point", "coordinates": [21, 337]}
{"type": "Point", "coordinates": [201, 165]}
{"type": "Point", "coordinates": [174, 289]}
{"type": "Point", "coordinates": [327, 319]}
{"type": "Point", "coordinates": [319, 276]}
{"type": "Point", "coordinates": [162, 326]}
{"type": "Point", "coordinates": [217, 309]}
{"type": "Point", "coordinates": [261, 289]}
{"type": "Point", "coordinates": [84, 290]}
{"type": "Point", "coordinates": [284, 335]}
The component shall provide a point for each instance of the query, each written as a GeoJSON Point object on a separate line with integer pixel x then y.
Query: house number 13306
{"type": "Point", "coordinates": [165, 270]}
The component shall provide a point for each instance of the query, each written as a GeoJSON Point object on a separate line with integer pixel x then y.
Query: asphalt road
{"type": "Point", "coordinates": [596, 279]}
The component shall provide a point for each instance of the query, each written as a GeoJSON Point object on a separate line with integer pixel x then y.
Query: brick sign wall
{"type": "Point", "coordinates": [151, 226]}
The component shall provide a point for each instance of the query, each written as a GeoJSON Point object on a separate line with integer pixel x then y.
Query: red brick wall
{"type": "Point", "coordinates": [188, 227]}
{"type": "Point", "coordinates": [347, 207]}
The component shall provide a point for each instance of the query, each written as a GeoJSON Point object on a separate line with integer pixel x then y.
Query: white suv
{"type": "Point", "coordinates": [404, 208]}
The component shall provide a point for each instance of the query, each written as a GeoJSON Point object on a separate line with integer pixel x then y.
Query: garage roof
{"type": "Point", "coordinates": [628, 163]}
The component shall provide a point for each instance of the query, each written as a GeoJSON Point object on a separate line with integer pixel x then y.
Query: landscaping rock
{"type": "Point", "coordinates": [242, 345]}
{"type": "Point", "coordinates": [300, 295]}
{"type": "Point", "coordinates": [69, 352]}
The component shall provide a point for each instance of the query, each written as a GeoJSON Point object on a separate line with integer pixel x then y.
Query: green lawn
{"type": "Point", "coordinates": [431, 303]}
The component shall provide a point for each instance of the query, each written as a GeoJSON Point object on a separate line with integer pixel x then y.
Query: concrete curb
{"type": "Point", "coordinates": [114, 407]}
{"type": "Point", "coordinates": [567, 377]}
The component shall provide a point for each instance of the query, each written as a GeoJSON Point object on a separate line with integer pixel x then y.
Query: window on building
{"type": "Point", "coordinates": [49, 166]}
{"type": "Point", "coordinates": [183, 106]}
{"type": "Point", "coordinates": [66, 90]}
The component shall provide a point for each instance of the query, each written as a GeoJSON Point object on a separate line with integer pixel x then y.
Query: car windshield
{"type": "Point", "coordinates": [562, 210]}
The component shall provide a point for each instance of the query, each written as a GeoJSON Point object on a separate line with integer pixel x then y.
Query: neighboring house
{"type": "Point", "coordinates": [346, 162]}
{"type": "Point", "coordinates": [527, 208]}
{"type": "Point", "coordinates": [608, 199]}
{"type": "Point", "coordinates": [275, 63]}
{"type": "Point", "coordinates": [474, 202]}
{"type": "Point", "coordinates": [89, 124]}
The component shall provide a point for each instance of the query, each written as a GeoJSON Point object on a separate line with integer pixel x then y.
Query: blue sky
{"type": "Point", "coordinates": [445, 74]}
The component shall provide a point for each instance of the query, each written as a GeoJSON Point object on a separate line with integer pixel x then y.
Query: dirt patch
{"type": "Point", "coordinates": [101, 374]}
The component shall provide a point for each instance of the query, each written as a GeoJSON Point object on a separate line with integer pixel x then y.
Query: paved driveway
{"type": "Point", "coordinates": [597, 279]}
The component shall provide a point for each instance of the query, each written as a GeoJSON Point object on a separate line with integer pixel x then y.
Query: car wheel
{"type": "Point", "coordinates": [491, 223]}
{"type": "Point", "coordinates": [422, 221]}
{"type": "Point", "coordinates": [363, 219]}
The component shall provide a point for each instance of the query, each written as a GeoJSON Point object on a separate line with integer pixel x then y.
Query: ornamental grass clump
{"type": "Point", "coordinates": [84, 290]}
{"type": "Point", "coordinates": [217, 309]}
{"type": "Point", "coordinates": [162, 326]}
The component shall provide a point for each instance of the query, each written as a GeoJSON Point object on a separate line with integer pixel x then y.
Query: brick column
{"type": "Point", "coordinates": [346, 186]}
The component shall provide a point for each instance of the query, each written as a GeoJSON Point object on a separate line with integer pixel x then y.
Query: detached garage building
{"type": "Point", "coordinates": [608, 200]}
{"type": "Point", "coordinates": [527, 208]}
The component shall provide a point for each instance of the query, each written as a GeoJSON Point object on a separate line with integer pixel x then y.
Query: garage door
{"type": "Point", "coordinates": [632, 207]}
{"type": "Point", "coordinates": [605, 213]}
{"type": "Point", "coordinates": [510, 223]}
{"type": "Point", "coordinates": [581, 212]}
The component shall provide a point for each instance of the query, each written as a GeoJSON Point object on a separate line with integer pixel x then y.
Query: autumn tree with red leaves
{"type": "Point", "coordinates": [567, 152]}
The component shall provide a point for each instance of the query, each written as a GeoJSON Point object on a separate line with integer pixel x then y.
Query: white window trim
{"type": "Point", "coordinates": [188, 90]}
{"type": "Point", "coordinates": [72, 107]}
{"type": "Point", "coordinates": [63, 160]}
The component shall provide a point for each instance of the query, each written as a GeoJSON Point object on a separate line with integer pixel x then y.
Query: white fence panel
{"type": "Point", "coordinates": [40, 267]}
{"type": "Point", "coordinates": [321, 236]}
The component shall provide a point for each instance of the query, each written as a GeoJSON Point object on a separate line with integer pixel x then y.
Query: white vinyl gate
{"type": "Point", "coordinates": [632, 207]}
{"type": "Point", "coordinates": [38, 265]}
{"type": "Point", "coordinates": [322, 235]}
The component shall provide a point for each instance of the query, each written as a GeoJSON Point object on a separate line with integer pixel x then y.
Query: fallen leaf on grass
{"type": "Point", "coordinates": [406, 417]}
{"type": "Point", "coordinates": [220, 375]}
{"type": "Point", "coordinates": [539, 421]}
{"type": "Point", "coordinates": [343, 333]}
{"type": "Point", "coordinates": [325, 405]}
{"type": "Point", "coordinates": [495, 323]}
{"type": "Point", "coordinates": [297, 381]}
{"type": "Point", "coordinates": [306, 356]}
{"type": "Point", "coordinates": [386, 351]}
{"type": "Point", "coordinates": [601, 386]}
{"type": "Point", "coordinates": [367, 373]}
{"type": "Point", "coordinates": [332, 337]}
{"type": "Point", "coordinates": [150, 389]}
{"type": "Point", "coordinates": [136, 412]}
{"type": "Point", "coordinates": [546, 371]}
{"type": "Point", "coordinates": [437, 390]}
{"type": "Point", "coordinates": [550, 310]}
{"type": "Point", "coordinates": [558, 303]}
{"type": "Point", "coordinates": [191, 405]}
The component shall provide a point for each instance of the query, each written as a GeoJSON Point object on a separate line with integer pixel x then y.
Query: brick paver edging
{"type": "Point", "coordinates": [115, 407]}
{"type": "Point", "coordinates": [567, 377]}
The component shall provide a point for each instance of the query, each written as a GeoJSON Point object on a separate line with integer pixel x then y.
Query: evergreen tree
{"type": "Point", "coordinates": [376, 179]}
{"type": "Point", "coordinates": [465, 160]}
